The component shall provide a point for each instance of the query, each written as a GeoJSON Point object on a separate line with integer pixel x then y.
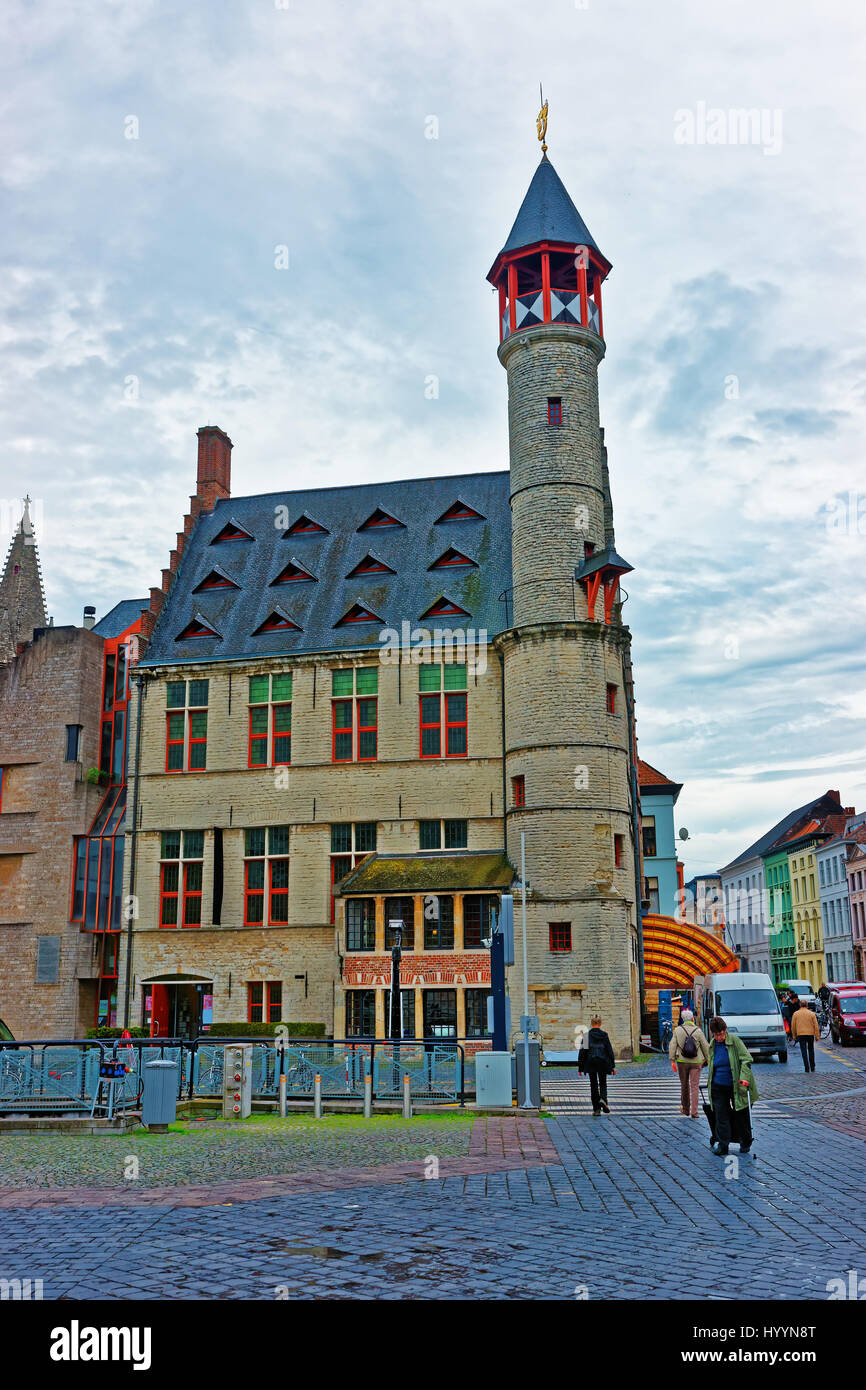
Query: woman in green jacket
{"type": "Point", "coordinates": [731, 1086]}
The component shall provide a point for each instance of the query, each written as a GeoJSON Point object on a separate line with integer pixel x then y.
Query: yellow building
{"type": "Point", "coordinates": [806, 906]}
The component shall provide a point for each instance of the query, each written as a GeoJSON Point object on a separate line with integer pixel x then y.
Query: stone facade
{"type": "Point", "coordinates": [54, 681]}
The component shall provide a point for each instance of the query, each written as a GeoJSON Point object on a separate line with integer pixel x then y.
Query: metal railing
{"type": "Point", "coordinates": [63, 1075]}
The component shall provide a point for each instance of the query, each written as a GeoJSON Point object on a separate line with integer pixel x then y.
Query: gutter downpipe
{"type": "Point", "coordinates": [139, 681]}
{"type": "Point", "coordinates": [629, 702]}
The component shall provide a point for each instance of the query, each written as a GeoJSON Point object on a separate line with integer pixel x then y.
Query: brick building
{"type": "Point", "coordinates": [356, 701]}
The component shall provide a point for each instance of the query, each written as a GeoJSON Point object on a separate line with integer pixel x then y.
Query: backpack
{"type": "Point", "coordinates": [597, 1050]}
{"type": "Point", "coordinates": [689, 1048]}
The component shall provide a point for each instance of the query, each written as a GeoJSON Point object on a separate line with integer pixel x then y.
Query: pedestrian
{"type": "Point", "coordinates": [824, 994]}
{"type": "Point", "coordinates": [688, 1051]}
{"type": "Point", "coordinates": [597, 1060]}
{"type": "Point", "coordinates": [790, 1006]}
{"type": "Point", "coordinates": [732, 1087]}
{"type": "Point", "coordinates": [805, 1028]}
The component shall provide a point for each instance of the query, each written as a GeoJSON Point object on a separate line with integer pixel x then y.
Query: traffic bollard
{"type": "Point", "coordinates": [317, 1098]}
{"type": "Point", "coordinates": [368, 1097]}
{"type": "Point", "coordinates": [283, 1105]}
{"type": "Point", "coordinates": [407, 1104]}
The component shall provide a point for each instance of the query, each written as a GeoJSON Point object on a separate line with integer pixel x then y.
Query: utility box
{"type": "Point", "coordinates": [159, 1095]}
{"type": "Point", "coordinates": [237, 1081]}
{"type": "Point", "coordinates": [534, 1072]}
{"type": "Point", "coordinates": [493, 1078]}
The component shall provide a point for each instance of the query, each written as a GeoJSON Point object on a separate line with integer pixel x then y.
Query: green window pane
{"type": "Point", "coordinates": [282, 748]}
{"type": "Point", "coordinates": [365, 837]}
{"type": "Point", "coordinates": [455, 834]}
{"type": "Point", "coordinates": [258, 690]}
{"type": "Point", "coordinates": [193, 844]}
{"type": "Point", "coordinates": [255, 908]}
{"type": "Point", "coordinates": [343, 714]}
{"type": "Point", "coordinates": [197, 757]}
{"type": "Point", "coordinates": [175, 694]}
{"type": "Point", "coordinates": [278, 837]}
{"type": "Point", "coordinates": [282, 719]}
{"type": "Point", "coordinates": [431, 745]}
{"type": "Point", "coordinates": [281, 688]}
{"type": "Point", "coordinates": [343, 748]}
{"type": "Point", "coordinates": [455, 676]}
{"type": "Point", "coordinates": [193, 878]}
{"type": "Point", "coordinates": [258, 752]}
{"type": "Point", "coordinates": [430, 834]}
{"type": "Point", "coordinates": [429, 677]}
{"type": "Point", "coordinates": [456, 743]}
{"type": "Point", "coordinates": [198, 693]}
{"type": "Point", "coordinates": [170, 878]}
{"type": "Point", "coordinates": [174, 761]}
{"type": "Point", "coordinates": [366, 714]}
{"type": "Point", "coordinates": [175, 727]}
{"type": "Point", "coordinates": [280, 874]}
{"type": "Point", "coordinates": [254, 843]}
{"type": "Point", "coordinates": [367, 744]}
{"type": "Point", "coordinates": [341, 839]}
{"type": "Point", "coordinates": [170, 848]}
{"type": "Point", "coordinates": [259, 721]}
{"type": "Point", "coordinates": [169, 912]}
{"type": "Point", "coordinates": [367, 680]}
{"type": "Point", "coordinates": [198, 724]}
{"type": "Point", "coordinates": [256, 875]}
{"type": "Point", "coordinates": [342, 682]}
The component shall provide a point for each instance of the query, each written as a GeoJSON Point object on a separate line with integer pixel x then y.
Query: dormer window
{"type": "Point", "coordinates": [293, 573]}
{"type": "Point", "coordinates": [197, 628]}
{"type": "Point", "coordinates": [215, 580]}
{"type": "Point", "coordinates": [231, 532]}
{"type": "Point", "coordinates": [459, 511]}
{"type": "Point", "coordinates": [371, 564]}
{"type": "Point", "coordinates": [379, 518]}
{"type": "Point", "coordinates": [277, 621]}
{"type": "Point", "coordinates": [445, 607]}
{"type": "Point", "coordinates": [306, 526]}
{"type": "Point", "coordinates": [453, 559]}
{"type": "Point", "coordinates": [358, 614]}
{"type": "Point", "coordinates": [554, 410]}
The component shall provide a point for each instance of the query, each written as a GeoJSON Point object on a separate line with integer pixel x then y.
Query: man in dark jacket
{"type": "Point", "coordinates": [597, 1060]}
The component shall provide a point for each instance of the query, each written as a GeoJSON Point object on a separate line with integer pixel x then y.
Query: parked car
{"type": "Point", "coordinates": [747, 1002]}
{"type": "Point", "coordinates": [848, 1013]}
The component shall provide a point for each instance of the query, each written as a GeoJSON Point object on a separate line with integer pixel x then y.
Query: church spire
{"type": "Point", "coordinates": [22, 597]}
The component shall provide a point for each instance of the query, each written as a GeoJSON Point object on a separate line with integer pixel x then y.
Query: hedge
{"type": "Point", "coordinates": [266, 1030]}
{"type": "Point", "coordinates": [116, 1032]}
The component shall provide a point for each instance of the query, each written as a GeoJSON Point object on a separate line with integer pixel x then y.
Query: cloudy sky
{"type": "Point", "coordinates": [154, 156]}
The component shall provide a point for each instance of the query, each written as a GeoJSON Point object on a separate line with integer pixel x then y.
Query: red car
{"type": "Point", "coordinates": [848, 1012]}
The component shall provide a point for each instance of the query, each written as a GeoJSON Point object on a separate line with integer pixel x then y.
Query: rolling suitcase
{"type": "Point", "coordinates": [740, 1126]}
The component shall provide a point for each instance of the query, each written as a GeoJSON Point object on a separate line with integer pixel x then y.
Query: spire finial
{"type": "Point", "coordinates": [541, 121]}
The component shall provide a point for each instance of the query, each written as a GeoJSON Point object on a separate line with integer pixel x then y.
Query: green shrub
{"type": "Point", "coordinates": [116, 1032]}
{"type": "Point", "coordinates": [266, 1030]}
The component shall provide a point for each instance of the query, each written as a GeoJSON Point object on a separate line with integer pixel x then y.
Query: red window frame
{"type": "Point", "coordinates": [367, 728]}
{"type": "Point", "coordinates": [611, 699]}
{"type": "Point", "coordinates": [278, 894]}
{"type": "Point", "coordinates": [554, 410]}
{"type": "Point", "coordinates": [280, 733]}
{"type": "Point", "coordinates": [194, 742]}
{"type": "Point", "coordinates": [343, 729]}
{"type": "Point", "coordinates": [252, 893]}
{"type": "Point", "coordinates": [560, 936]}
{"type": "Point", "coordinates": [456, 723]}
{"type": "Point", "coordinates": [430, 724]}
{"type": "Point", "coordinates": [192, 895]}
{"type": "Point", "coordinates": [257, 736]}
{"type": "Point", "coordinates": [350, 864]}
{"type": "Point", "coordinates": [518, 790]}
{"type": "Point", "coordinates": [255, 1010]}
{"type": "Point", "coordinates": [169, 895]}
{"type": "Point", "coordinates": [264, 997]}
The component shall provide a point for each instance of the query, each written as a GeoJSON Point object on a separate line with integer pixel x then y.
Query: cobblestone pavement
{"type": "Point", "coordinates": [610, 1208]}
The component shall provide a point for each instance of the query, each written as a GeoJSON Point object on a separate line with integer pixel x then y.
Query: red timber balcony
{"type": "Point", "coordinates": [564, 307]}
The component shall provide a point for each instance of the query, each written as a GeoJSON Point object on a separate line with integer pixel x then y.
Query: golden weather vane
{"type": "Point", "coordinates": [541, 122]}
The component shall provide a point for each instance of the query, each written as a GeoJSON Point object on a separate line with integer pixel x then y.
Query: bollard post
{"type": "Point", "coordinates": [407, 1103]}
{"type": "Point", "coordinates": [283, 1097]}
{"type": "Point", "coordinates": [317, 1097]}
{"type": "Point", "coordinates": [368, 1097]}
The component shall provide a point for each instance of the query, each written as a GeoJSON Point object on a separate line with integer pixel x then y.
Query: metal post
{"type": "Point", "coordinates": [527, 1094]}
{"type": "Point", "coordinates": [407, 1103]}
{"type": "Point", "coordinates": [283, 1095]}
{"type": "Point", "coordinates": [317, 1097]}
{"type": "Point", "coordinates": [368, 1097]}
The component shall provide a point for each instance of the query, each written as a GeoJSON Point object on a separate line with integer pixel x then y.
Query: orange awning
{"type": "Point", "coordinates": [675, 952]}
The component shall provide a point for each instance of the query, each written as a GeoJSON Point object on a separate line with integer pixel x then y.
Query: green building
{"type": "Point", "coordinates": [780, 917]}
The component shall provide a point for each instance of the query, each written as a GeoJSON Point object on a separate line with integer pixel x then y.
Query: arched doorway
{"type": "Point", "coordinates": [177, 1006]}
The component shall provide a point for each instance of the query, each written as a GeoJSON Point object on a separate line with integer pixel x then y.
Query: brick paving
{"type": "Point", "coordinates": [613, 1208]}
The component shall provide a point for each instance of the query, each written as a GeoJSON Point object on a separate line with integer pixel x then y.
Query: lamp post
{"type": "Point", "coordinates": [395, 1010]}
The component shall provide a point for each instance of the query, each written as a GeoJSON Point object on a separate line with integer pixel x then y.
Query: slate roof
{"type": "Point", "coordinates": [318, 606]}
{"type": "Point", "coordinates": [821, 805]}
{"type": "Point", "coordinates": [121, 617]}
{"type": "Point", "coordinates": [420, 873]}
{"type": "Point", "coordinates": [548, 214]}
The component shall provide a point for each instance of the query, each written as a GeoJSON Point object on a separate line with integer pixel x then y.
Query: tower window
{"type": "Point", "coordinates": [611, 699]}
{"type": "Point", "coordinates": [518, 790]}
{"type": "Point", "coordinates": [560, 936]}
{"type": "Point", "coordinates": [73, 742]}
{"type": "Point", "coordinates": [554, 410]}
{"type": "Point", "coordinates": [617, 849]}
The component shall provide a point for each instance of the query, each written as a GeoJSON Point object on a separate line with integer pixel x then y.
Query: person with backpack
{"type": "Point", "coordinates": [597, 1060]}
{"type": "Point", "coordinates": [688, 1051]}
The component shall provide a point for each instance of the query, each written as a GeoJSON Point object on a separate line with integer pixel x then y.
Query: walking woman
{"type": "Point", "coordinates": [689, 1051]}
{"type": "Point", "coordinates": [597, 1060]}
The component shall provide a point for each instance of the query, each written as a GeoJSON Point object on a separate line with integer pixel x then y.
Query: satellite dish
{"type": "Point", "coordinates": [684, 834]}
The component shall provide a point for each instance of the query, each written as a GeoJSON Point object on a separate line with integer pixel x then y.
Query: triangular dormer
{"type": "Point", "coordinates": [453, 559]}
{"type": "Point", "coordinates": [294, 573]}
{"type": "Point", "coordinates": [232, 531]}
{"type": "Point", "coordinates": [198, 627]}
{"type": "Point", "coordinates": [379, 518]}
{"type": "Point", "coordinates": [277, 621]}
{"type": "Point", "coordinates": [371, 564]}
{"type": "Point", "coordinates": [217, 579]}
{"type": "Point", "coordinates": [307, 526]}
{"type": "Point", "coordinates": [445, 607]}
{"type": "Point", "coordinates": [460, 511]}
{"type": "Point", "coordinates": [358, 614]}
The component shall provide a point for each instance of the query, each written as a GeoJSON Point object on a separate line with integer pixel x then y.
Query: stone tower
{"type": "Point", "coordinates": [22, 598]}
{"type": "Point", "coordinates": [568, 719]}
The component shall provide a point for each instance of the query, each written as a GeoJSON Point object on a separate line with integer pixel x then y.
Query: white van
{"type": "Point", "coordinates": [747, 1002]}
{"type": "Point", "coordinates": [803, 991]}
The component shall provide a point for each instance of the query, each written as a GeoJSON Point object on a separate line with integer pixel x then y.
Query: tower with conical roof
{"type": "Point", "coordinates": [22, 597]}
{"type": "Point", "coordinates": [567, 674]}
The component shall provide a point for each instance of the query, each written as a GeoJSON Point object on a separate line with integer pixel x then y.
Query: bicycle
{"type": "Point", "coordinates": [822, 1013]}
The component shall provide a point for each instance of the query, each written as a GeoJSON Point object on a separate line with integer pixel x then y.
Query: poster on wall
{"type": "Point", "coordinates": [206, 1012]}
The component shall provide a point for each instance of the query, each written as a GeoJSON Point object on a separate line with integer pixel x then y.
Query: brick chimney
{"type": "Point", "coordinates": [213, 482]}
